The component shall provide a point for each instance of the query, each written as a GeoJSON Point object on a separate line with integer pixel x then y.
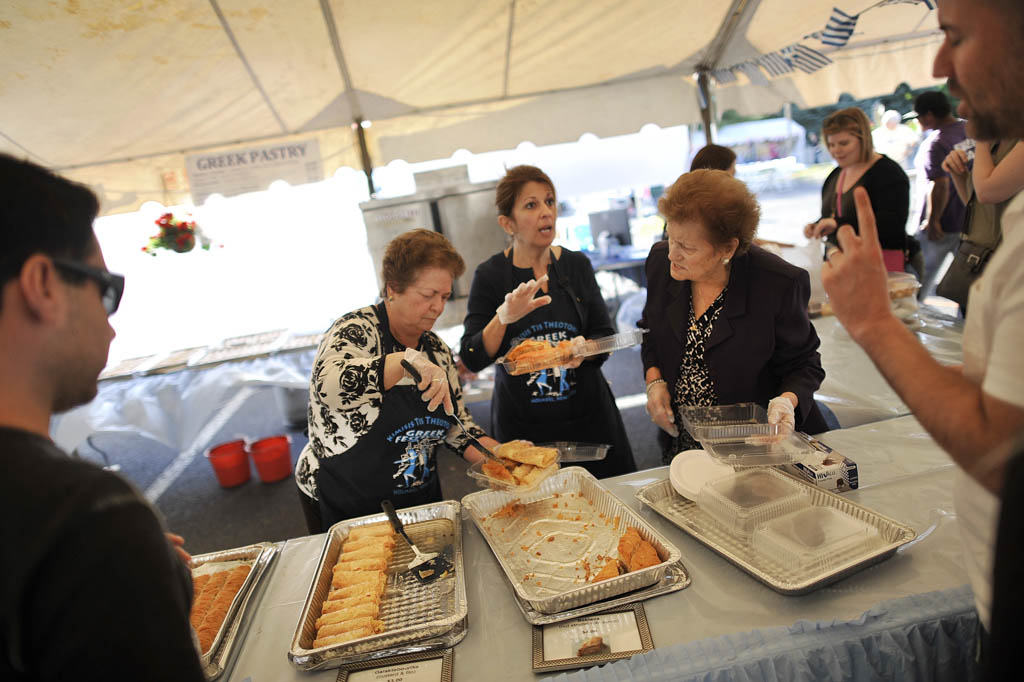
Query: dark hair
{"type": "Point", "coordinates": [718, 201]}
{"type": "Point", "coordinates": [714, 157]}
{"type": "Point", "coordinates": [512, 184]}
{"type": "Point", "coordinates": [408, 253]}
{"type": "Point", "coordinates": [933, 102]}
{"type": "Point", "coordinates": [854, 121]}
{"type": "Point", "coordinates": [41, 212]}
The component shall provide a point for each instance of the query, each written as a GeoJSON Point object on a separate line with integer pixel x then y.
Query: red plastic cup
{"type": "Point", "coordinates": [230, 463]}
{"type": "Point", "coordinates": [273, 458]}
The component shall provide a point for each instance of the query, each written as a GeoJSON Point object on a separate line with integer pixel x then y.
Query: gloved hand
{"type": "Point", "coordinates": [520, 301]}
{"type": "Point", "coordinates": [782, 412]}
{"type": "Point", "coordinates": [433, 381]}
{"type": "Point", "coordinates": [659, 406]}
{"type": "Point", "coordinates": [576, 360]}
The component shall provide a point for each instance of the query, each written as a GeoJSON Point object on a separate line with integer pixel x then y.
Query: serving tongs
{"type": "Point", "coordinates": [426, 567]}
{"type": "Point", "coordinates": [417, 377]}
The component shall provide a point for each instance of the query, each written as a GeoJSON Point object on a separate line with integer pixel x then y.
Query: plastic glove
{"type": "Point", "coordinates": [820, 229]}
{"type": "Point", "coordinates": [782, 412]}
{"type": "Point", "coordinates": [577, 348]}
{"type": "Point", "coordinates": [659, 406]}
{"type": "Point", "coordinates": [520, 301]}
{"type": "Point", "coordinates": [433, 381]}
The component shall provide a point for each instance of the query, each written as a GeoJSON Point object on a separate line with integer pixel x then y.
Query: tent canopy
{"type": "Point", "coordinates": [115, 93]}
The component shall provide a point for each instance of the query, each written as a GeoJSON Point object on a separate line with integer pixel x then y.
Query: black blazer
{"type": "Point", "coordinates": [762, 344]}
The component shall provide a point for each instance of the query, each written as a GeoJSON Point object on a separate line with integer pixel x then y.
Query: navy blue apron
{"type": "Point", "coordinates": [558, 404]}
{"type": "Point", "coordinates": [396, 459]}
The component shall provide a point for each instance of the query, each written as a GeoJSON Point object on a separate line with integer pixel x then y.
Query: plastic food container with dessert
{"type": "Point", "coordinates": [416, 616]}
{"type": "Point", "coordinates": [559, 357]}
{"type": "Point", "coordinates": [551, 542]}
{"type": "Point", "coordinates": [745, 500]}
{"type": "Point", "coordinates": [813, 539]}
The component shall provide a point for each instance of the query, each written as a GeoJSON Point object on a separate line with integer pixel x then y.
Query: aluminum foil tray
{"type": "Point", "coordinates": [687, 515]}
{"type": "Point", "coordinates": [410, 611]}
{"type": "Point", "coordinates": [259, 557]}
{"type": "Point", "coordinates": [568, 524]}
{"type": "Point", "coordinates": [676, 578]}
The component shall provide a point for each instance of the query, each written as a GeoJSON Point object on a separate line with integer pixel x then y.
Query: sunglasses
{"type": "Point", "coordinates": [111, 285]}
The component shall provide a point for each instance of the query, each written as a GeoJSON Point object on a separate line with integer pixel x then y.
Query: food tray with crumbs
{"type": "Point", "coordinates": [258, 557]}
{"type": "Point", "coordinates": [411, 611]}
{"type": "Point", "coordinates": [553, 539]}
{"type": "Point", "coordinates": [688, 515]}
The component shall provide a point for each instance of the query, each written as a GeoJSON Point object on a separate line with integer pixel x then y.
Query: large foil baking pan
{"type": "Point", "coordinates": [571, 520]}
{"type": "Point", "coordinates": [662, 498]}
{"type": "Point", "coordinates": [258, 556]}
{"type": "Point", "coordinates": [410, 611]}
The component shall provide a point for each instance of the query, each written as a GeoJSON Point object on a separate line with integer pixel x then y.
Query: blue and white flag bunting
{"type": "Point", "coordinates": [839, 28]}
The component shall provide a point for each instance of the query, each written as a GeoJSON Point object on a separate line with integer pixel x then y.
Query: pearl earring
{"type": "Point", "coordinates": [725, 261]}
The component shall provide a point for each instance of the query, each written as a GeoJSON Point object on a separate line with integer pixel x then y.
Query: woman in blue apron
{"type": "Point", "coordinates": [373, 431]}
{"type": "Point", "coordinates": [534, 290]}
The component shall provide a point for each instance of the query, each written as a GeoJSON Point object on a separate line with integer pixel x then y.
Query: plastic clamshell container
{"type": "Point", "coordinates": [608, 344]}
{"type": "Point", "coordinates": [902, 285]}
{"type": "Point", "coordinates": [758, 450]}
{"type": "Point", "coordinates": [717, 423]}
{"type": "Point", "coordinates": [749, 498]}
{"type": "Point", "coordinates": [578, 452]}
{"type": "Point", "coordinates": [555, 358]}
{"type": "Point", "coordinates": [814, 538]}
{"type": "Point", "coordinates": [476, 472]}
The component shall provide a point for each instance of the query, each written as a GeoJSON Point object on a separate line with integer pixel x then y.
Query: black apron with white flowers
{"type": "Point", "coordinates": [396, 459]}
{"type": "Point", "coordinates": [558, 404]}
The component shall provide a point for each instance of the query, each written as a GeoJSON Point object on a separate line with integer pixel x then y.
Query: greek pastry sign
{"type": "Point", "coordinates": [253, 169]}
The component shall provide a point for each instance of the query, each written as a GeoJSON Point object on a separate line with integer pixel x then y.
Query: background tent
{"type": "Point", "coordinates": [116, 93]}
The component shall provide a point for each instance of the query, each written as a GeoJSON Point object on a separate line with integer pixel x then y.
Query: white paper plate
{"type": "Point", "coordinates": [691, 469]}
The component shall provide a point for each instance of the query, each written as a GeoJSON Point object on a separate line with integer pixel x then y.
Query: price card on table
{"type": "Point", "coordinates": [591, 640]}
{"type": "Point", "coordinates": [430, 666]}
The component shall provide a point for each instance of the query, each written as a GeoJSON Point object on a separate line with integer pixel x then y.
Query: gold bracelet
{"type": "Point", "coordinates": [654, 382]}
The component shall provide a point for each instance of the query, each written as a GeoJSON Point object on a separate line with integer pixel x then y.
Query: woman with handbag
{"type": "Point", "coordinates": [997, 177]}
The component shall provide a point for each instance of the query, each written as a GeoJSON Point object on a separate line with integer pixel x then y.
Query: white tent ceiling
{"type": "Point", "coordinates": [114, 93]}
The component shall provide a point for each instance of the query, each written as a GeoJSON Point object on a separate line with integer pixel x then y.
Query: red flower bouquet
{"type": "Point", "coordinates": [176, 235]}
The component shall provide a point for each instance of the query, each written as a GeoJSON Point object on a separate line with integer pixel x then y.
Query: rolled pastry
{"type": "Point", "coordinates": [356, 590]}
{"type": "Point", "coordinates": [351, 545]}
{"type": "Point", "coordinates": [346, 578]}
{"type": "Point", "coordinates": [350, 625]}
{"type": "Point", "coordinates": [367, 610]}
{"type": "Point", "coordinates": [342, 638]}
{"type": "Point", "coordinates": [331, 605]}
{"type": "Point", "coordinates": [374, 529]}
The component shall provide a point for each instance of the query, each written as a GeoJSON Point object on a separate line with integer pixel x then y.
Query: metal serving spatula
{"type": "Point", "coordinates": [426, 567]}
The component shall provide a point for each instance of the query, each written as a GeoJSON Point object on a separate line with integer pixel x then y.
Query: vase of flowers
{"type": "Point", "coordinates": [176, 235]}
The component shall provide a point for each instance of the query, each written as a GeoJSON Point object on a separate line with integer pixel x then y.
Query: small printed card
{"type": "Point", "coordinates": [591, 640]}
{"type": "Point", "coordinates": [429, 666]}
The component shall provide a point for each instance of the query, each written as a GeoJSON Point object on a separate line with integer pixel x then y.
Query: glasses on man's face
{"type": "Point", "coordinates": [111, 285]}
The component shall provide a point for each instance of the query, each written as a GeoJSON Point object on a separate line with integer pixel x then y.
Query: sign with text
{"type": "Point", "coordinates": [426, 666]}
{"type": "Point", "coordinates": [252, 169]}
{"type": "Point", "coordinates": [591, 640]}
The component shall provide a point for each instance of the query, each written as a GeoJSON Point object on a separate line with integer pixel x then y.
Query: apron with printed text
{"type": "Point", "coordinates": [396, 459]}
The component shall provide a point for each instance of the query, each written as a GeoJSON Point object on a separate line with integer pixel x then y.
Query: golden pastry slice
{"type": "Point", "coordinates": [643, 556]}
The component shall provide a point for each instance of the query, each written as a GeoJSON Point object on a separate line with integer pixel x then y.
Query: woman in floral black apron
{"type": "Point", "coordinates": [572, 403]}
{"type": "Point", "coordinates": [373, 432]}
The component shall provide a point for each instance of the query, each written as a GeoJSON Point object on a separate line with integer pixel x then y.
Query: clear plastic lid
{"type": "Point", "coordinates": [749, 498]}
{"type": "Point", "coordinates": [615, 342]}
{"type": "Point", "coordinates": [759, 450]}
{"type": "Point", "coordinates": [726, 423]}
{"type": "Point", "coordinates": [549, 360]}
{"type": "Point", "coordinates": [569, 453]}
{"type": "Point", "coordinates": [815, 538]}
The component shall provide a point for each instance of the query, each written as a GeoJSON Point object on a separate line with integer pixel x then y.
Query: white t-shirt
{"type": "Point", "coordinates": [992, 358]}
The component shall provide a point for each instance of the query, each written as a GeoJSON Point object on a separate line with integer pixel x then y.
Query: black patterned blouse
{"type": "Point", "coordinates": [694, 385]}
{"type": "Point", "coordinates": [345, 391]}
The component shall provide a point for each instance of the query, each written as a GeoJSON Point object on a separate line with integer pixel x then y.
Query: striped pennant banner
{"type": "Point", "coordinates": [930, 4]}
{"type": "Point", "coordinates": [775, 64]}
{"type": "Point", "coordinates": [723, 76]}
{"type": "Point", "coordinates": [751, 71]}
{"type": "Point", "coordinates": [804, 58]}
{"type": "Point", "coordinates": [839, 28]}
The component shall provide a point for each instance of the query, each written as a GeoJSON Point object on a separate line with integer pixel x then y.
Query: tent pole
{"type": "Point", "coordinates": [704, 94]}
{"type": "Point", "coordinates": [364, 152]}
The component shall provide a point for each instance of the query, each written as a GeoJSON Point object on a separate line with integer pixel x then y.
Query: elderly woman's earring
{"type": "Point", "coordinates": [725, 261]}
{"type": "Point", "coordinates": [391, 299]}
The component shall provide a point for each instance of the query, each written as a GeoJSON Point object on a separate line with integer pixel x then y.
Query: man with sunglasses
{"type": "Point", "coordinates": [90, 587]}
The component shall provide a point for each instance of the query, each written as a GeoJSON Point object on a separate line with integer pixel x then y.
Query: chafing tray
{"type": "Point", "coordinates": [410, 611]}
{"type": "Point", "coordinates": [569, 523]}
{"type": "Point", "coordinates": [687, 515]}
{"type": "Point", "coordinates": [676, 578]}
{"type": "Point", "coordinates": [259, 557]}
